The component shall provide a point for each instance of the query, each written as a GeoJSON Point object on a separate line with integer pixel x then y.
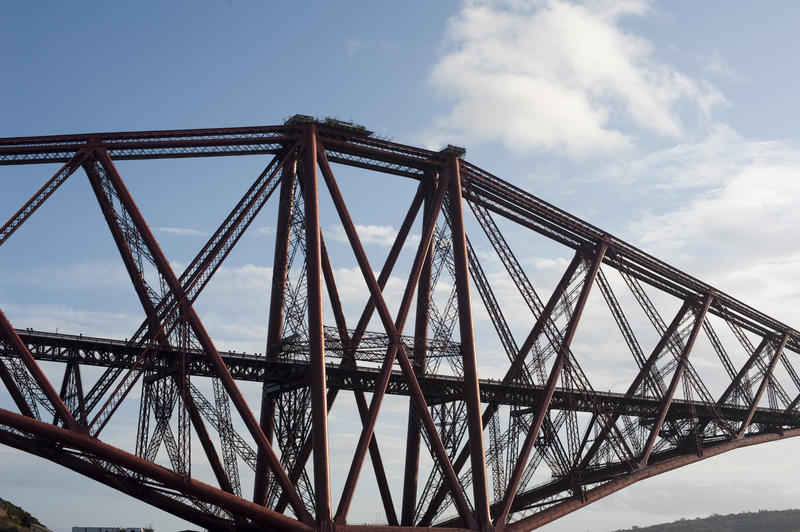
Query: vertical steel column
{"type": "Point", "coordinates": [280, 273]}
{"type": "Point", "coordinates": [397, 351]}
{"type": "Point", "coordinates": [70, 399]}
{"type": "Point", "coordinates": [472, 397]}
{"type": "Point", "coordinates": [366, 315]}
{"type": "Point", "coordinates": [316, 340]}
{"type": "Point", "coordinates": [79, 391]}
{"type": "Point", "coordinates": [420, 340]}
{"type": "Point", "coordinates": [181, 378]}
{"type": "Point", "coordinates": [516, 369]}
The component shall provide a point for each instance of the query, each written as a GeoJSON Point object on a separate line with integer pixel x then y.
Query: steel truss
{"type": "Point", "coordinates": [511, 453]}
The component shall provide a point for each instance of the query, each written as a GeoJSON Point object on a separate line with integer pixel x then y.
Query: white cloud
{"type": "Point", "coordinates": [181, 231]}
{"type": "Point", "coordinates": [557, 76]}
{"type": "Point", "coordinates": [65, 319]}
{"type": "Point", "coordinates": [735, 220]}
{"type": "Point", "coordinates": [382, 235]}
{"type": "Point", "coordinates": [700, 163]}
{"type": "Point", "coordinates": [264, 231]}
{"type": "Point", "coordinates": [715, 65]}
{"type": "Point", "coordinates": [233, 307]}
{"type": "Point", "coordinates": [352, 46]}
{"type": "Point", "coordinates": [81, 276]}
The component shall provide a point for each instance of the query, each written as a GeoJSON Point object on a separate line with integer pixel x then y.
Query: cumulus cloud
{"type": "Point", "coordinates": [557, 76]}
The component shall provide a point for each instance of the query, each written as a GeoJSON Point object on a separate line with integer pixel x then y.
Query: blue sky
{"type": "Point", "coordinates": [670, 124]}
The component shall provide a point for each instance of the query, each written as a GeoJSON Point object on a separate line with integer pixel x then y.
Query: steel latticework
{"type": "Point", "coordinates": [535, 442]}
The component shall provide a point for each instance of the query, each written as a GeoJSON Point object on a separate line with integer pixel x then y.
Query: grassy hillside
{"type": "Point", "coordinates": [14, 519]}
{"type": "Point", "coordinates": [761, 521]}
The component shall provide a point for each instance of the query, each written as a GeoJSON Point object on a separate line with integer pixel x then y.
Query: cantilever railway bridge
{"type": "Point", "coordinates": [509, 453]}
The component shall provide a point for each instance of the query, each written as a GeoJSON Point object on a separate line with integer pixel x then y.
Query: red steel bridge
{"type": "Point", "coordinates": [534, 443]}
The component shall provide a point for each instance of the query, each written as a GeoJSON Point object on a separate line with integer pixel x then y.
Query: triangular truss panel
{"type": "Point", "coordinates": [441, 348]}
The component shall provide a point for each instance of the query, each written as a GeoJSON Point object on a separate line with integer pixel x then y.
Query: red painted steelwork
{"type": "Point", "coordinates": [593, 495]}
{"type": "Point", "coordinates": [471, 389]}
{"type": "Point", "coordinates": [319, 410]}
{"type": "Point", "coordinates": [545, 420]}
{"type": "Point", "coordinates": [8, 333]}
{"type": "Point", "coordinates": [143, 467]}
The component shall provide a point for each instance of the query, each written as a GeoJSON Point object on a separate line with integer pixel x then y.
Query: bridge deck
{"type": "Point", "coordinates": [291, 372]}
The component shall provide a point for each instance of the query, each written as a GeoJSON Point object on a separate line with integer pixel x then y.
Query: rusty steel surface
{"type": "Point", "coordinates": [512, 452]}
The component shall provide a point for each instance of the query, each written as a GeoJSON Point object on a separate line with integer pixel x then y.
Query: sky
{"type": "Point", "coordinates": [668, 124]}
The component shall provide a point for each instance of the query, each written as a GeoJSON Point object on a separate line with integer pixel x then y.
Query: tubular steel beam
{"type": "Point", "coordinates": [319, 411]}
{"type": "Point", "coordinates": [361, 401]}
{"type": "Point", "coordinates": [673, 385]}
{"type": "Point", "coordinates": [762, 387]}
{"type": "Point", "coordinates": [200, 333]}
{"type": "Point", "coordinates": [512, 374]}
{"type": "Point", "coordinates": [371, 417]}
{"type": "Point", "coordinates": [396, 350]}
{"type": "Point", "coordinates": [102, 190]}
{"type": "Point", "coordinates": [280, 273]}
{"type": "Point", "coordinates": [555, 373]}
{"type": "Point", "coordinates": [128, 484]}
{"type": "Point", "coordinates": [143, 467]}
{"type": "Point", "coordinates": [124, 249]}
{"type": "Point", "coordinates": [472, 399]}
{"type": "Point", "coordinates": [366, 315]}
{"type": "Point", "coordinates": [595, 494]}
{"type": "Point", "coordinates": [10, 335]}
{"type": "Point", "coordinates": [420, 338]}
{"type": "Point", "coordinates": [45, 192]}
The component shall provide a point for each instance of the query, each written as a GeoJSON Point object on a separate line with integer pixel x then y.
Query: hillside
{"type": "Point", "coordinates": [761, 521]}
{"type": "Point", "coordinates": [15, 519]}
